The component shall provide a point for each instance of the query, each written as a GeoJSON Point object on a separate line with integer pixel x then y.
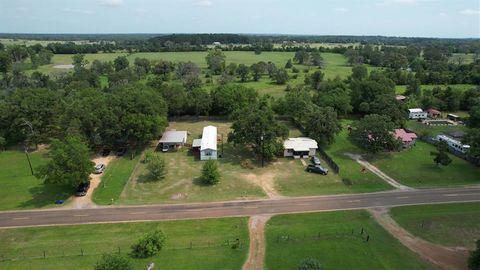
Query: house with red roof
{"type": "Point", "coordinates": [408, 138]}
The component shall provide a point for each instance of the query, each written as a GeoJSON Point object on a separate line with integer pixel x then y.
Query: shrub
{"type": "Point", "coordinates": [210, 174]}
{"type": "Point", "coordinates": [347, 182]}
{"type": "Point", "coordinates": [149, 245]}
{"type": "Point", "coordinates": [474, 258]}
{"type": "Point", "coordinates": [310, 264]}
{"type": "Point", "coordinates": [157, 167]}
{"type": "Point", "coordinates": [113, 262]}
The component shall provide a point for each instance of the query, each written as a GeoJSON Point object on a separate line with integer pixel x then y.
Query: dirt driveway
{"type": "Point", "coordinates": [441, 257]}
{"type": "Point", "coordinates": [86, 201]}
{"type": "Point", "coordinates": [256, 254]}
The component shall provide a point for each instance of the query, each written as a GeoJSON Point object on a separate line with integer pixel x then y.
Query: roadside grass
{"type": "Point", "coordinates": [464, 58]}
{"type": "Point", "coordinates": [63, 244]}
{"type": "Point", "coordinates": [19, 189]}
{"type": "Point", "coordinates": [415, 167]}
{"type": "Point", "coordinates": [445, 224]}
{"type": "Point", "coordinates": [114, 179]}
{"type": "Point", "coordinates": [361, 181]}
{"type": "Point", "coordinates": [401, 89]}
{"type": "Point", "coordinates": [328, 238]}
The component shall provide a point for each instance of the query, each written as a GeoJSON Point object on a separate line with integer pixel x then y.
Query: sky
{"type": "Point", "coordinates": [418, 18]}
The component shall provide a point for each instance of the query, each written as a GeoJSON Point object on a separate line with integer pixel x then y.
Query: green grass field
{"type": "Point", "coordinates": [63, 245]}
{"type": "Point", "coordinates": [114, 179]}
{"type": "Point", "coordinates": [445, 224]}
{"type": "Point", "coordinates": [362, 181]}
{"type": "Point", "coordinates": [415, 167]}
{"type": "Point", "coordinates": [19, 189]}
{"type": "Point", "coordinates": [328, 238]}
{"type": "Point", "coordinates": [422, 129]}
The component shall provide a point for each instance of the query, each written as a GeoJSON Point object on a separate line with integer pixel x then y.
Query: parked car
{"type": "Point", "coordinates": [99, 168]}
{"type": "Point", "coordinates": [317, 169]}
{"type": "Point", "coordinates": [315, 160]}
{"type": "Point", "coordinates": [106, 152]}
{"type": "Point", "coordinates": [82, 189]}
{"type": "Point", "coordinates": [121, 151]}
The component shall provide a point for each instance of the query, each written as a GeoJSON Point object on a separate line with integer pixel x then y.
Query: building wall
{"type": "Point", "coordinates": [208, 154]}
{"type": "Point", "coordinates": [289, 153]}
{"type": "Point", "coordinates": [420, 115]}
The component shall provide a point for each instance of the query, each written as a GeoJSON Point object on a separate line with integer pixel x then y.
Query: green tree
{"type": "Point", "coordinates": [374, 133]}
{"type": "Point", "coordinates": [79, 62]}
{"type": "Point", "coordinates": [149, 245]}
{"type": "Point", "coordinates": [256, 126]}
{"type": "Point", "coordinates": [334, 93]}
{"type": "Point", "coordinates": [69, 164]}
{"type": "Point", "coordinates": [176, 98]}
{"type": "Point", "coordinates": [121, 63]}
{"type": "Point", "coordinates": [280, 76]}
{"type": "Point", "coordinates": [5, 62]}
{"type": "Point", "coordinates": [257, 71]}
{"type": "Point", "coordinates": [322, 125]}
{"type": "Point", "coordinates": [3, 143]}
{"type": "Point", "coordinates": [113, 262]}
{"type": "Point", "coordinates": [359, 72]}
{"type": "Point", "coordinates": [316, 59]}
{"type": "Point", "coordinates": [413, 87]}
{"type": "Point", "coordinates": [301, 57]}
{"type": "Point", "coordinates": [142, 66]}
{"type": "Point", "coordinates": [474, 119]}
{"type": "Point", "coordinates": [157, 167]}
{"type": "Point", "coordinates": [315, 79]}
{"type": "Point", "coordinates": [199, 101]}
{"type": "Point", "coordinates": [243, 72]}
{"type": "Point", "coordinates": [210, 173]}
{"type": "Point", "coordinates": [386, 104]}
{"type": "Point", "coordinates": [227, 98]}
{"type": "Point", "coordinates": [289, 64]}
{"type": "Point", "coordinates": [472, 138]}
{"type": "Point", "coordinates": [310, 264]}
{"type": "Point", "coordinates": [441, 155]}
{"type": "Point", "coordinates": [216, 60]}
{"type": "Point", "coordinates": [474, 258]}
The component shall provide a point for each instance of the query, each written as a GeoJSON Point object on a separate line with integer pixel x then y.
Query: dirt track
{"type": "Point", "coordinates": [441, 257]}
{"type": "Point", "coordinates": [256, 254]}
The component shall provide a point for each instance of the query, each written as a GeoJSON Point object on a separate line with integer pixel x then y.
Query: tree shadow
{"type": "Point", "coordinates": [147, 178]}
{"type": "Point", "coordinates": [198, 182]}
{"type": "Point", "coordinates": [47, 194]}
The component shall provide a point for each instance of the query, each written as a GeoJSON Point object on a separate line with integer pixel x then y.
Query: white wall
{"type": "Point", "coordinates": [208, 154]}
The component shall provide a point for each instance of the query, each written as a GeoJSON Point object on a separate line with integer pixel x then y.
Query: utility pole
{"type": "Point", "coordinates": [27, 123]}
{"type": "Point", "coordinates": [261, 139]}
{"type": "Point", "coordinates": [28, 158]}
{"type": "Point", "coordinates": [222, 144]}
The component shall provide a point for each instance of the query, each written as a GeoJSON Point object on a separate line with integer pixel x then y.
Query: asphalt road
{"type": "Point", "coordinates": [10, 219]}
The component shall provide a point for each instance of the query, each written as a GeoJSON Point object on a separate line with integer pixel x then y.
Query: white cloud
{"type": "Point", "coordinates": [81, 11]}
{"type": "Point", "coordinates": [341, 9]}
{"type": "Point", "coordinates": [111, 3]}
{"type": "Point", "coordinates": [203, 3]}
{"type": "Point", "coordinates": [471, 12]}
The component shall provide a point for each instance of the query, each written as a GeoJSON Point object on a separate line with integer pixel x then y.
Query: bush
{"type": "Point", "coordinates": [149, 245]}
{"type": "Point", "coordinates": [295, 70]}
{"type": "Point", "coordinates": [148, 156]}
{"type": "Point", "coordinates": [157, 167]}
{"type": "Point", "coordinates": [474, 258]}
{"type": "Point", "coordinates": [347, 182]}
{"type": "Point", "coordinates": [3, 143]}
{"type": "Point", "coordinates": [210, 174]}
{"type": "Point", "coordinates": [310, 264]}
{"type": "Point", "coordinates": [113, 262]}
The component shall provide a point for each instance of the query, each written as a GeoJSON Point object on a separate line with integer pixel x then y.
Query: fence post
{"type": "Point", "coordinates": [118, 250]}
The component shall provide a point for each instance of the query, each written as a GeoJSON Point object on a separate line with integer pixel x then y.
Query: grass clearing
{"type": "Point", "coordinates": [361, 181]}
{"type": "Point", "coordinates": [422, 129]}
{"type": "Point", "coordinates": [415, 167]}
{"type": "Point", "coordinates": [63, 244]}
{"type": "Point", "coordinates": [19, 189]}
{"type": "Point", "coordinates": [445, 224]}
{"type": "Point", "coordinates": [401, 89]}
{"type": "Point", "coordinates": [114, 179]}
{"type": "Point", "coordinates": [327, 237]}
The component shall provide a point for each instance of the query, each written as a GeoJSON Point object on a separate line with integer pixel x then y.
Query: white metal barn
{"type": "Point", "coordinates": [299, 147]}
{"type": "Point", "coordinates": [208, 147]}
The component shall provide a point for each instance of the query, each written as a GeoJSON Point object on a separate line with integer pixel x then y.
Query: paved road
{"type": "Point", "coordinates": [236, 208]}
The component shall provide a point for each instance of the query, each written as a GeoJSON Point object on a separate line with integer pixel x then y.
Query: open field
{"type": "Point", "coordinates": [328, 238]}
{"type": "Point", "coordinates": [422, 129]}
{"type": "Point", "coordinates": [19, 189]}
{"type": "Point", "coordinates": [415, 167]}
{"type": "Point", "coordinates": [400, 89]}
{"type": "Point", "coordinates": [445, 224]}
{"type": "Point", "coordinates": [31, 42]}
{"type": "Point", "coordinates": [361, 181]}
{"type": "Point", "coordinates": [463, 58]}
{"type": "Point", "coordinates": [114, 179]}
{"type": "Point", "coordinates": [194, 244]}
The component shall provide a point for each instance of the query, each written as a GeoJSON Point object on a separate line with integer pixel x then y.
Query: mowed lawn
{"type": "Point", "coordinates": [415, 167]}
{"type": "Point", "coordinates": [445, 224]}
{"type": "Point", "coordinates": [19, 189]}
{"type": "Point", "coordinates": [193, 244]}
{"type": "Point", "coordinates": [328, 238]}
{"type": "Point", "coordinates": [362, 181]}
{"type": "Point", "coordinates": [114, 179]}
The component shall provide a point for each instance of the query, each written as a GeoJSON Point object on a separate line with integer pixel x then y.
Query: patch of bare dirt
{"type": "Point", "coordinates": [440, 256]}
{"type": "Point", "coordinates": [86, 201]}
{"type": "Point", "coordinates": [179, 196]}
{"type": "Point", "coordinates": [266, 181]}
{"type": "Point", "coordinates": [256, 254]}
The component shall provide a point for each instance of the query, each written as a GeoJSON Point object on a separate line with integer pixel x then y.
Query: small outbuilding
{"type": "Point", "coordinates": [417, 113]}
{"type": "Point", "coordinates": [433, 113]}
{"type": "Point", "coordinates": [400, 98]}
{"type": "Point", "coordinates": [300, 147]}
{"type": "Point", "coordinates": [208, 145]}
{"type": "Point", "coordinates": [172, 140]}
{"type": "Point", "coordinates": [408, 138]}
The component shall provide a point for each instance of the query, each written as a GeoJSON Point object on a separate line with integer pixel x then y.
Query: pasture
{"type": "Point", "coordinates": [192, 244]}
{"type": "Point", "coordinates": [335, 240]}
{"type": "Point", "coordinates": [445, 224]}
